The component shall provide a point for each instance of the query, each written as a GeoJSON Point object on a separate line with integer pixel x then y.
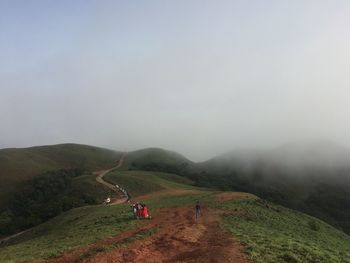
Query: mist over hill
{"type": "Point", "coordinates": [313, 177]}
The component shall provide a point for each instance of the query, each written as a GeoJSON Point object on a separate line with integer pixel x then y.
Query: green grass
{"type": "Point", "coordinates": [73, 229]}
{"type": "Point", "coordinates": [271, 234]}
{"type": "Point", "coordinates": [141, 182]}
{"type": "Point", "coordinates": [277, 234]}
{"type": "Point", "coordinates": [82, 226]}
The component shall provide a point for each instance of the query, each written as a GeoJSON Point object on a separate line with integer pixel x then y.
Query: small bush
{"type": "Point", "coordinates": [313, 225]}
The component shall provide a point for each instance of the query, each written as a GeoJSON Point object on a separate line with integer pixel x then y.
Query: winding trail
{"type": "Point", "coordinates": [99, 179]}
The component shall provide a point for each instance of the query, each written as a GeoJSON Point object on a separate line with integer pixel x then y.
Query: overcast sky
{"type": "Point", "coordinates": [197, 77]}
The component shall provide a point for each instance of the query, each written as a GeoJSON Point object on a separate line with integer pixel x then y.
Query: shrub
{"type": "Point", "coordinates": [314, 225]}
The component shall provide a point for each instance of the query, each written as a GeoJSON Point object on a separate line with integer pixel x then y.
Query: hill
{"type": "Point", "coordinates": [261, 231]}
{"type": "Point", "coordinates": [19, 165]}
{"type": "Point", "coordinates": [157, 159]}
{"type": "Point", "coordinates": [313, 178]}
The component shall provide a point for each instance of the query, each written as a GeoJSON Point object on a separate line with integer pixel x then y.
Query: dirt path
{"type": "Point", "coordinates": [181, 238]}
{"type": "Point", "coordinates": [99, 179]}
{"type": "Point", "coordinates": [178, 237]}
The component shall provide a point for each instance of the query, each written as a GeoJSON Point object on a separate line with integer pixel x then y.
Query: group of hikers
{"type": "Point", "coordinates": [120, 189]}
{"type": "Point", "coordinates": [140, 211]}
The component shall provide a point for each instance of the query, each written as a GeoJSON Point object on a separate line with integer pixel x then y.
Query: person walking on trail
{"type": "Point", "coordinates": [134, 210]}
{"type": "Point", "coordinates": [198, 209]}
{"type": "Point", "coordinates": [145, 213]}
{"type": "Point", "coordinates": [139, 211]}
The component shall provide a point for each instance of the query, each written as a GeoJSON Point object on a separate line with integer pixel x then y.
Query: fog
{"type": "Point", "coordinates": [197, 77]}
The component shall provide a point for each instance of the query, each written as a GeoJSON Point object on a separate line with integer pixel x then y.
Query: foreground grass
{"type": "Point", "coordinates": [82, 226]}
{"type": "Point", "coordinates": [70, 230]}
{"type": "Point", "coordinates": [276, 234]}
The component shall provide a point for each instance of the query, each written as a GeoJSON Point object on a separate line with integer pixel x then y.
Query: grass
{"type": "Point", "coordinates": [82, 226]}
{"type": "Point", "coordinates": [87, 184]}
{"type": "Point", "coordinates": [277, 234]}
{"type": "Point", "coordinates": [141, 182]}
{"type": "Point", "coordinates": [70, 230]}
{"type": "Point", "coordinates": [270, 233]}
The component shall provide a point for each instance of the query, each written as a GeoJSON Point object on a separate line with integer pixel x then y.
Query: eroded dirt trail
{"type": "Point", "coordinates": [179, 237]}
{"type": "Point", "coordinates": [99, 179]}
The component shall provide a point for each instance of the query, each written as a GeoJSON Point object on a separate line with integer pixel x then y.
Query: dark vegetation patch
{"type": "Point", "coordinates": [48, 195]}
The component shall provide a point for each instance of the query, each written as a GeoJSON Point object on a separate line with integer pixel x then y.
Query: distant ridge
{"type": "Point", "coordinates": [20, 164]}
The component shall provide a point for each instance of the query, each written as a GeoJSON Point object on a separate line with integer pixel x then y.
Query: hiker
{"type": "Point", "coordinates": [139, 210]}
{"type": "Point", "coordinates": [198, 209]}
{"type": "Point", "coordinates": [134, 210]}
{"type": "Point", "coordinates": [145, 212]}
{"type": "Point", "coordinates": [107, 200]}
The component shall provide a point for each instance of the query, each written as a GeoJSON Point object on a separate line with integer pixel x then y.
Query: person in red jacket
{"type": "Point", "coordinates": [145, 212]}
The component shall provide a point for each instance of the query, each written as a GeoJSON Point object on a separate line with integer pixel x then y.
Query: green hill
{"type": "Point", "coordinates": [156, 159]}
{"type": "Point", "coordinates": [82, 226]}
{"type": "Point", "coordinates": [270, 233]}
{"type": "Point", "coordinates": [19, 165]}
{"type": "Point", "coordinates": [314, 179]}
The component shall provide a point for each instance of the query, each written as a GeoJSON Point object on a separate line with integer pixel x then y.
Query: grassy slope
{"type": "Point", "coordinates": [18, 165]}
{"type": "Point", "coordinates": [277, 234]}
{"type": "Point", "coordinates": [82, 226]}
{"type": "Point", "coordinates": [272, 234]}
{"type": "Point", "coordinates": [141, 182]}
{"type": "Point", "coordinates": [75, 228]}
{"type": "Point", "coordinates": [87, 184]}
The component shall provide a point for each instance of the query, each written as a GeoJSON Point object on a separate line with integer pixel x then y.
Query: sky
{"type": "Point", "coordinates": [197, 77]}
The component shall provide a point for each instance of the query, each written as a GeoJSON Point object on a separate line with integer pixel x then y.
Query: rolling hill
{"type": "Point", "coordinates": [312, 178]}
{"type": "Point", "coordinates": [235, 227]}
{"type": "Point", "coordinates": [19, 165]}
